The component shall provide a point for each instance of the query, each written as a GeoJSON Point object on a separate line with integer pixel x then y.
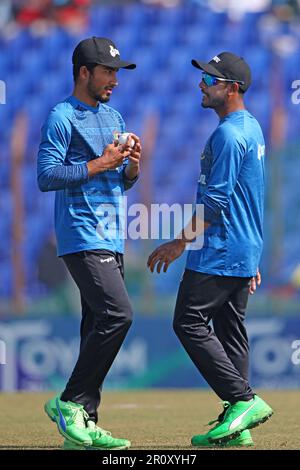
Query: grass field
{"type": "Point", "coordinates": [152, 419]}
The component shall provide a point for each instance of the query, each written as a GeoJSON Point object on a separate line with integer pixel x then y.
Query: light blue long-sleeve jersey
{"type": "Point", "coordinates": [231, 188]}
{"type": "Point", "coordinates": [89, 213]}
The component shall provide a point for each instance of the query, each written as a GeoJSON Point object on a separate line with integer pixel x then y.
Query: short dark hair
{"type": "Point", "coordinates": [240, 92]}
{"type": "Point", "coordinates": [76, 69]}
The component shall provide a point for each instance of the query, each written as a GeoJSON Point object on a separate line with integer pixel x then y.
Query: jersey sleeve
{"type": "Point", "coordinates": [52, 172]}
{"type": "Point", "coordinates": [228, 151]}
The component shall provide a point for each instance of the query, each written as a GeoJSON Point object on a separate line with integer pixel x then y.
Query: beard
{"type": "Point", "coordinates": [96, 96]}
{"type": "Point", "coordinates": [103, 99]}
{"type": "Point", "coordinates": [212, 102]}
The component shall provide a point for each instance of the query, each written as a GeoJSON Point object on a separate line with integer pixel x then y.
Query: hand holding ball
{"type": "Point", "coordinates": [122, 139]}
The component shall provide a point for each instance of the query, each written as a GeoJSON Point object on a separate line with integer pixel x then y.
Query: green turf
{"type": "Point", "coordinates": [152, 419]}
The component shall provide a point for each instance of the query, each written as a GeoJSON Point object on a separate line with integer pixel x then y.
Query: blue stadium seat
{"type": "Point", "coordinates": [103, 19]}
{"type": "Point", "coordinates": [6, 277]}
{"type": "Point", "coordinates": [259, 60]}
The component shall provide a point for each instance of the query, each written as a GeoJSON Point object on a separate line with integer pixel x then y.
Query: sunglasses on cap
{"type": "Point", "coordinates": [210, 80]}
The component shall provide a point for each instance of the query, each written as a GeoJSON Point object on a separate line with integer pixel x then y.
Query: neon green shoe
{"type": "Point", "coordinates": [70, 419]}
{"type": "Point", "coordinates": [238, 417]}
{"type": "Point", "coordinates": [50, 409]}
{"type": "Point", "coordinates": [244, 440]}
{"type": "Point", "coordinates": [103, 440]}
{"type": "Point", "coordinates": [68, 445]}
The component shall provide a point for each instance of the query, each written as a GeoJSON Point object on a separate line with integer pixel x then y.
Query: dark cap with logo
{"type": "Point", "coordinates": [100, 51]}
{"type": "Point", "coordinates": [227, 65]}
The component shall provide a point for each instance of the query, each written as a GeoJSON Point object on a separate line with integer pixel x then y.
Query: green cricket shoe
{"type": "Point", "coordinates": [243, 440]}
{"type": "Point", "coordinates": [68, 445]}
{"type": "Point", "coordinates": [238, 417]}
{"type": "Point", "coordinates": [103, 440]}
{"type": "Point", "coordinates": [50, 409]}
{"type": "Point", "coordinates": [110, 443]}
{"type": "Point", "coordinates": [70, 419]}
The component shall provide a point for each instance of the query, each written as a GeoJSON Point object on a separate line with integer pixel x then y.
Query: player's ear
{"type": "Point", "coordinates": [83, 72]}
{"type": "Point", "coordinates": [232, 88]}
{"type": "Point", "coordinates": [235, 87]}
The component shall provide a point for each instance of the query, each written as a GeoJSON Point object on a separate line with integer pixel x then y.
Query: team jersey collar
{"type": "Point", "coordinates": [76, 102]}
{"type": "Point", "coordinates": [234, 114]}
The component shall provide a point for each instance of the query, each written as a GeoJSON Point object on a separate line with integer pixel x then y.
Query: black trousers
{"type": "Point", "coordinates": [106, 318]}
{"type": "Point", "coordinates": [222, 355]}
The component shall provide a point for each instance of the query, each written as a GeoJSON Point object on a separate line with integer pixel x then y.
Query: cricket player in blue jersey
{"type": "Point", "coordinates": [220, 275]}
{"type": "Point", "coordinates": [80, 159]}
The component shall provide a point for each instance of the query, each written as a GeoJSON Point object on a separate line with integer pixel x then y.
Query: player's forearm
{"type": "Point", "coordinates": [193, 229]}
{"type": "Point", "coordinates": [97, 166]}
{"type": "Point", "coordinates": [130, 177]}
{"type": "Point", "coordinates": [63, 177]}
{"type": "Point", "coordinates": [131, 171]}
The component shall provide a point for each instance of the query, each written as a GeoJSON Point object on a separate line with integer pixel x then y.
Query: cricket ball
{"type": "Point", "coordinates": [122, 139]}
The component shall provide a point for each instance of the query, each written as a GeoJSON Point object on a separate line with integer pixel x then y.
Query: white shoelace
{"type": "Point", "coordinates": [93, 427]}
{"type": "Point", "coordinates": [80, 416]}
